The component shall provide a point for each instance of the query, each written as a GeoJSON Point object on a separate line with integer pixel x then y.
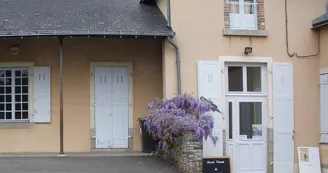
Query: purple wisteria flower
{"type": "Point", "coordinates": [169, 119]}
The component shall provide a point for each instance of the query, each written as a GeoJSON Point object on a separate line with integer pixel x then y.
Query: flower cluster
{"type": "Point", "coordinates": [170, 119]}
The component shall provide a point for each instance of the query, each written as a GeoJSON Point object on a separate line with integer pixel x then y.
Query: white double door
{"type": "Point", "coordinates": [246, 133]}
{"type": "Point", "coordinates": [111, 107]}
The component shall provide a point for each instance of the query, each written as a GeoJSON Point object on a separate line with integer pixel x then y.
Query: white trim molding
{"type": "Point", "coordinates": [249, 59]}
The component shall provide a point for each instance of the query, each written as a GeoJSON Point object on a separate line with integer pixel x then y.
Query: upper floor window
{"type": "Point", "coordinates": [244, 17]}
{"type": "Point", "coordinates": [243, 14]}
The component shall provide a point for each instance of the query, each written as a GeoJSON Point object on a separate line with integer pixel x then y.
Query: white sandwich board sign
{"type": "Point", "coordinates": [309, 160]}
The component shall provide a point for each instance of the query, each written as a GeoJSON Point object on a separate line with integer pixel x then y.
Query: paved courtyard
{"type": "Point", "coordinates": [120, 164]}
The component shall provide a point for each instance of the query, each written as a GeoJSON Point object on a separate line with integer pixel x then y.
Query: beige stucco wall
{"type": "Point", "coordinates": [34, 137]}
{"type": "Point", "coordinates": [145, 55]}
{"type": "Point", "coordinates": [324, 51]}
{"type": "Point", "coordinates": [199, 25]}
{"type": "Point", "coordinates": [169, 70]}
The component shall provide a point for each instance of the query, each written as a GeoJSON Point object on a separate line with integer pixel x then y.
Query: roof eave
{"type": "Point", "coordinates": [150, 2]}
{"type": "Point", "coordinates": [106, 34]}
{"type": "Point", "coordinates": [320, 25]}
{"type": "Point", "coordinates": [320, 21]}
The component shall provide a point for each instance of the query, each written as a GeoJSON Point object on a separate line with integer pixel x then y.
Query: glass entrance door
{"type": "Point", "coordinates": [246, 134]}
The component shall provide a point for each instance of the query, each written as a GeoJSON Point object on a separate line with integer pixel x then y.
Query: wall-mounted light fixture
{"type": "Point", "coordinates": [248, 50]}
{"type": "Point", "coordinates": [14, 49]}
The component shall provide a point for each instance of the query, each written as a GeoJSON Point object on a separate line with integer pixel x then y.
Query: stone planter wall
{"type": "Point", "coordinates": [190, 155]}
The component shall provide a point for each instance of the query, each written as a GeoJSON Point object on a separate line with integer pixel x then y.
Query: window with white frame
{"type": "Point", "coordinates": [324, 108]}
{"type": "Point", "coordinates": [246, 79]}
{"type": "Point", "coordinates": [14, 94]}
{"type": "Point", "coordinates": [243, 14]}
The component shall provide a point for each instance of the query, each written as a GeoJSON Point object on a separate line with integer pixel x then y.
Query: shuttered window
{"type": "Point", "coordinates": [324, 107]}
{"type": "Point", "coordinates": [14, 94]}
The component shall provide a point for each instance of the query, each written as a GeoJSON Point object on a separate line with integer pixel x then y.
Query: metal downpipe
{"type": "Point", "coordinates": [178, 62]}
{"type": "Point", "coordinates": [61, 95]}
{"type": "Point", "coordinates": [168, 11]}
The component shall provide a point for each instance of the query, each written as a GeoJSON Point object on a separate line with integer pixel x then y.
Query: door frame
{"type": "Point", "coordinates": [267, 61]}
{"type": "Point", "coordinates": [223, 60]}
{"type": "Point", "coordinates": [92, 99]}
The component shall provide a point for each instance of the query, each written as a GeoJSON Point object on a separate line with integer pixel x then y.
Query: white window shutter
{"type": "Point", "coordinates": [283, 114]}
{"type": "Point", "coordinates": [42, 111]}
{"type": "Point", "coordinates": [209, 86]}
{"type": "Point", "coordinates": [324, 108]}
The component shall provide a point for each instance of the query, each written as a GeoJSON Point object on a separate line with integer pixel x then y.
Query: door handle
{"type": "Point", "coordinates": [110, 114]}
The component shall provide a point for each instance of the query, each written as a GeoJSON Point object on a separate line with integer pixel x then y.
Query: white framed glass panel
{"type": "Point", "coordinates": [254, 79]}
{"type": "Point", "coordinates": [250, 7]}
{"type": "Point", "coordinates": [230, 121]}
{"type": "Point", "coordinates": [234, 7]}
{"type": "Point", "coordinates": [235, 78]}
{"type": "Point", "coordinates": [250, 117]}
{"type": "Point", "coordinates": [246, 79]}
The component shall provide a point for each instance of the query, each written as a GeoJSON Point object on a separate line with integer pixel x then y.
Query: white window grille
{"type": "Point", "coordinates": [14, 94]}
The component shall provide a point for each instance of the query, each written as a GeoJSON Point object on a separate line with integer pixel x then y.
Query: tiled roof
{"type": "Point", "coordinates": [81, 17]}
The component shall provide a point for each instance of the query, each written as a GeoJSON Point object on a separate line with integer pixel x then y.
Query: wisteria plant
{"type": "Point", "coordinates": [170, 119]}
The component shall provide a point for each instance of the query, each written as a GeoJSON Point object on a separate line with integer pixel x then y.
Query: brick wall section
{"type": "Point", "coordinates": [260, 15]}
{"type": "Point", "coordinates": [190, 159]}
{"type": "Point", "coordinates": [226, 15]}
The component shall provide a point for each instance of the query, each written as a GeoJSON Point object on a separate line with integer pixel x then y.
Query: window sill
{"type": "Point", "coordinates": [243, 32]}
{"type": "Point", "coordinates": [16, 125]}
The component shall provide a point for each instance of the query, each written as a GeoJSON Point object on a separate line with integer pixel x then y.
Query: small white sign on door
{"type": "Point", "coordinates": [309, 160]}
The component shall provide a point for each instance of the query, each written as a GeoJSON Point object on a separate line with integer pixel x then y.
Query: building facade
{"type": "Point", "coordinates": [275, 88]}
{"type": "Point", "coordinates": [64, 66]}
{"type": "Point", "coordinates": [76, 75]}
